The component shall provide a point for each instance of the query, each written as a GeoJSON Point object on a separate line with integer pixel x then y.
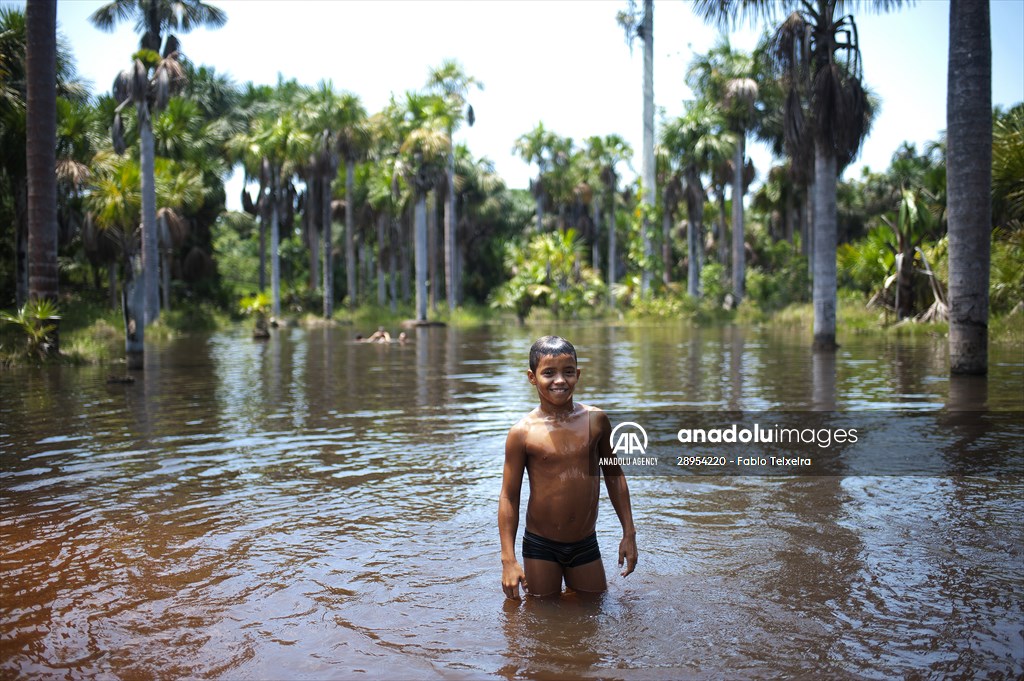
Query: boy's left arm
{"type": "Point", "coordinates": [618, 492]}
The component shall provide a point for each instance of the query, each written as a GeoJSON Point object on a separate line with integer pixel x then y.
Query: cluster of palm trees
{"type": "Point", "coordinates": [416, 207]}
{"type": "Point", "coordinates": [142, 171]}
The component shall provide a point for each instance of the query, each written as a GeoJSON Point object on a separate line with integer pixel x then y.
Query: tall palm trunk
{"type": "Point", "coordinates": [150, 251]}
{"type": "Point", "coordinates": [968, 183]}
{"type": "Point", "coordinates": [738, 254]}
{"type": "Point", "coordinates": [275, 259]}
{"type": "Point", "coordinates": [612, 255]}
{"type": "Point", "coordinates": [432, 269]}
{"type": "Point", "coordinates": [381, 290]}
{"type": "Point", "coordinates": [393, 264]}
{"type": "Point", "coordinates": [694, 230]}
{"type": "Point", "coordinates": [595, 247]}
{"type": "Point", "coordinates": [165, 263]}
{"type": "Point", "coordinates": [824, 263]}
{"type": "Point", "coordinates": [328, 248]}
{"type": "Point", "coordinates": [650, 186]}
{"type": "Point", "coordinates": [41, 143]}
{"type": "Point", "coordinates": [20, 238]}
{"type": "Point", "coordinates": [723, 230]}
{"type": "Point", "coordinates": [264, 223]}
{"type": "Point", "coordinates": [666, 244]}
{"type": "Point", "coordinates": [132, 308]}
{"type": "Point", "coordinates": [450, 274]}
{"type": "Point", "coordinates": [312, 219]}
{"type": "Point", "coordinates": [420, 254]}
{"type": "Point", "coordinates": [350, 225]}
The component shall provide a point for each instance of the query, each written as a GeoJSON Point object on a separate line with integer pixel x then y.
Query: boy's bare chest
{"type": "Point", "coordinates": [554, 442]}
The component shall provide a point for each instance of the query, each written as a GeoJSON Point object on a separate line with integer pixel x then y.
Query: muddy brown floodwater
{"type": "Point", "coordinates": [309, 507]}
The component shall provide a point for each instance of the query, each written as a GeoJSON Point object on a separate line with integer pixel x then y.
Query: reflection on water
{"type": "Point", "coordinates": [313, 507]}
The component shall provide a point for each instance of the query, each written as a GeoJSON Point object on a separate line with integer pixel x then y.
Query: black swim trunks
{"type": "Point", "coordinates": [568, 555]}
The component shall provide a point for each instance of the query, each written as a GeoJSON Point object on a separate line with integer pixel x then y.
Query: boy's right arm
{"type": "Point", "coordinates": [508, 511]}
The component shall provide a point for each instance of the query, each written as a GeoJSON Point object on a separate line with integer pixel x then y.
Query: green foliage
{"type": "Point", "coordinates": [257, 305]}
{"type": "Point", "coordinates": [636, 259]}
{"type": "Point", "coordinates": [864, 265]}
{"type": "Point", "coordinates": [1008, 166]}
{"type": "Point", "coordinates": [714, 285]}
{"type": "Point", "coordinates": [778, 275]}
{"type": "Point", "coordinates": [1006, 284]}
{"type": "Point", "coordinates": [33, 320]}
{"type": "Point", "coordinates": [548, 272]}
{"type": "Point", "coordinates": [236, 250]}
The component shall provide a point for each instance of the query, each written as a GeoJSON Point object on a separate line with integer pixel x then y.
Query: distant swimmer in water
{"type": "Point", "coordinates": [379, 336]}
{"type": "Point", "coordinates": [560, 445]}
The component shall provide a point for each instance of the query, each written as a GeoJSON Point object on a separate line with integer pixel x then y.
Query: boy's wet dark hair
{"type": "Point", "coordinates": [550, 346]}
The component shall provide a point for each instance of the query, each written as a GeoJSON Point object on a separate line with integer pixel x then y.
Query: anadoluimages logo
{"type": "Point", "coordinates": [628, 442]}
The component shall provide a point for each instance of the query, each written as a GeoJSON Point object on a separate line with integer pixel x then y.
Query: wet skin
{"type": "Point", "coordinates": [558, 444]}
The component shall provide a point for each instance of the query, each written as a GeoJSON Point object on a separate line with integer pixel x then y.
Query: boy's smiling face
{"type": "Point", "coordinates": [555, 378]}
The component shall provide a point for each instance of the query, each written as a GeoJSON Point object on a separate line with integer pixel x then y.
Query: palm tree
{"type": "Point", "coordinates": [337, 121]}
{"type": "Point", "coordinates": [147, 85]}
{"type": "Point", "coordinates": [451, 81]}
{"type": "Point", "coordinates": [152, 18]}
{"type": "Point", "coordinates": [607, 152]}
{"type": "Point", "coordinates": [270, 149]}
{"type": "Point", "coordinates": [424, 143]}
{"type": "Point", "coordinates": [115, 204]}
{"type": "Point", "coordinates": [699, 141]}
{"type": "Point", "coordinates": [969, 182]}
{"type": "Point", "coordinates": [725, 76]}
{"type": "Point", "coordinates": [534, 147]}
{"type": "Point", "coordinates": [818, 55]}
{"type": "Point", "coordinates": [14, 39]}
{"type": "Point", "coordinates": [352, 140]}
{"type": "Point", "coordinates": [642, 26]}
{"type": "Point", "coordinates": [41, 144]}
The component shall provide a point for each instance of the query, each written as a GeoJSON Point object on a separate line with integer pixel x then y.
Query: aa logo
{"type": "Point", "coordinates": [629, 442]}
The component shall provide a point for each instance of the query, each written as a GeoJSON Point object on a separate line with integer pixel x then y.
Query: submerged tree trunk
{"type": "Point", "coordinates": [165, 279]}
{"type": "Point", "coordinates": [21, 240]}
{"type": "Point", "coordinates": [968, 183]}
{"type": "Point", "coordinates": [381, 291]}
{"type": "Point", "coordinates": [40, 144]}
{"type": "Point", "coordinates": [420, 241]}
{"type": "Point", "coordinates": [393, 264]}
{"type": "Point", "coordinates": [407, 230]}
{"type": "Point", "coordinates": [449, 233]}
{"type": "Point", "coordinates": [313, 229]}
{"type": "Point", "coordinates": [824, 264]}
{"type": "Point", "coordinates": [150, 255]}
{"type": "Point", "coordinates": [275, 260]}
{"type": "Point", "coordinates": [694, 230]}
{"type": "Point", "coordinates": [723, 231]}
{"type": "Point", "coordinates": [328, 252]}
{"type": "Point", "coordinates": [264, 224]}
{"type": "Point", "coordinates": [433, 287]}
{"type": "Point", "coordinates": [612, 255]}
{"type": "Point", "coordinates": [133, 311]}
{"type": "Point", "coordinates": [738, 254]}
{"type": "Point", "coordinates": [350, 223]}
{"type": "Point", "coordinates": [666, 245]}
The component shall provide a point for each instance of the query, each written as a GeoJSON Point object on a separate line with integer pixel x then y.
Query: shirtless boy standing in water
{"type": "Point", "coordinates": [559, 444]}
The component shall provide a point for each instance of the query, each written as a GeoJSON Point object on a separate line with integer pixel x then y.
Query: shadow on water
{"type": "Point", "coordinates": [311, 506]}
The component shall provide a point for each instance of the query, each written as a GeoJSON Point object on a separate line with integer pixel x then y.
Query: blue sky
{"type": "Point", "coordinates": [561, 62]}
